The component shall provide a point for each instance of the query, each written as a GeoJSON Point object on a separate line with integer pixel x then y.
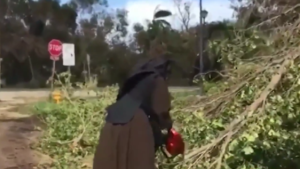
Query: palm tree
{"type": "Point", "coordinates": [157, 27]}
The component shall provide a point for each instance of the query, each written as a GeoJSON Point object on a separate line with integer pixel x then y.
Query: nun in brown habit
{"type": "Point", "coordinates": [132, 131]}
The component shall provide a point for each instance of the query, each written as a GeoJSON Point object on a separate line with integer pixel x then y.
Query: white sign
{"type": "Point", "coordinates": [68, 54]}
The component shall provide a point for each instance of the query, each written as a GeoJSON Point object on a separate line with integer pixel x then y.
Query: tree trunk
{"type": "Point", "coordinates": [31, 69]}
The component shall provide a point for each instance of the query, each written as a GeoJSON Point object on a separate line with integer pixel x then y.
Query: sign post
{"type": "Point", "coordinates": [55, 50]}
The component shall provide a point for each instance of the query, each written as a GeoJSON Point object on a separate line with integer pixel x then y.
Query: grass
{"type": "Point", "coordinates": [72, 128]}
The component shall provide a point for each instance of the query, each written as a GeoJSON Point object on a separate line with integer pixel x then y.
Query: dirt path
{"type": "Point", "coordinates": [17, 134]}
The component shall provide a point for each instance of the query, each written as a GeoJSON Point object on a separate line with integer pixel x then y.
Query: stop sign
{"type": "Point", "coordinates": [55, 49]}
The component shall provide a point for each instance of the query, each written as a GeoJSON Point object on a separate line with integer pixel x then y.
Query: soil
{"type": "Point", "coordinates": [18, 132]}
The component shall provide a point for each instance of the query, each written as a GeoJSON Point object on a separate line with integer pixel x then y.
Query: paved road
{"type": "Point", "coordinates": [8, 94]}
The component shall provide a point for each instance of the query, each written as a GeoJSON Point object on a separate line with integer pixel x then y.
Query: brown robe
{"type": "Point", "coordinates": [131, 146]}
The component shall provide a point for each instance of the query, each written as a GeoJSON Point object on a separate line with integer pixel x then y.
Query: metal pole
{"type": "Point", "coordinates": [88, 60]}
{"type": "Point", "coordinates": [203, 39]}
{"type": "Point", "coordinates": [0, 73]}
{"type": "Point", "coordinates": [53, 74]}
{"type": "Point", "coordinates": [201, 47]}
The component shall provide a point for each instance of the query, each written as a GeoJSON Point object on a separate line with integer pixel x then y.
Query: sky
{"type": "Point", "coordinates": [140, 10]}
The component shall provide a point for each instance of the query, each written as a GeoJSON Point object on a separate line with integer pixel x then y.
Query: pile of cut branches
{"type": "Point", "coordinates": [255, 121]}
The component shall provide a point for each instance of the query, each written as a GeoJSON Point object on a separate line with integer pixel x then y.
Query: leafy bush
{"type": "Point", "coordinates": [73, 127]}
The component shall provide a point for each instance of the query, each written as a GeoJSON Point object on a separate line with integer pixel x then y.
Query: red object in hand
{"type": "Point", "coordinates": [175, 144]}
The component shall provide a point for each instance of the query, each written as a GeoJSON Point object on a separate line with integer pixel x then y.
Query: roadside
{"type": "Point", "coordinates": [18, 132]}
{"type": "Point", "coordinates": [9, 94]}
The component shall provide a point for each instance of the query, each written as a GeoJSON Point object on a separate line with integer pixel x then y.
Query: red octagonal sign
{"type": "Point", "coordinates": [55, 49]}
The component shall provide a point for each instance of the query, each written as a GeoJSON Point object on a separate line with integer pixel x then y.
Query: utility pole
{"type": "Point", "coordinates": [201, 90]}
{"type": "Point", "coordinates": [0, 71]}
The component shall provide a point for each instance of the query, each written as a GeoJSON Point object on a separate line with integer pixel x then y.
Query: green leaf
{"type": "Point", "coordinates": [251, 137]}
{"type": "Point", "coordinates": [162, 13]}
{"type": "Point", "coordinates": [266, 144]}
{"type": "Point", "coordinates": [233, 145]}
{"type": "Point", "coordinates": [248, 150]}
{"type": "Point", "coordinates": [163, 23]}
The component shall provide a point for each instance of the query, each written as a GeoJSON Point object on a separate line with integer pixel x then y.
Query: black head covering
{"type": "Point", "coordinates": [160, 66]}
{"type": "Point", "coordinates": [137, 89]}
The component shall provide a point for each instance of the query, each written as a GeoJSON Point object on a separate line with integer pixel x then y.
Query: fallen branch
{"type": "Point", "coordinates": [238, 123]}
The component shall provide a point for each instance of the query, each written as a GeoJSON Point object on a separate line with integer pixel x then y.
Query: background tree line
{"type": "Point", "coordinates": [26, 27]}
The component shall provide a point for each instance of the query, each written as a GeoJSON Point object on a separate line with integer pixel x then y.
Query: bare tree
{"type": "Point", "coordinates": [184, 10]}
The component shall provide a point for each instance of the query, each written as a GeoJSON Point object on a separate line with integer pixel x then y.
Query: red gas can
{"type": "Point", "coordinates": [175, 144]}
